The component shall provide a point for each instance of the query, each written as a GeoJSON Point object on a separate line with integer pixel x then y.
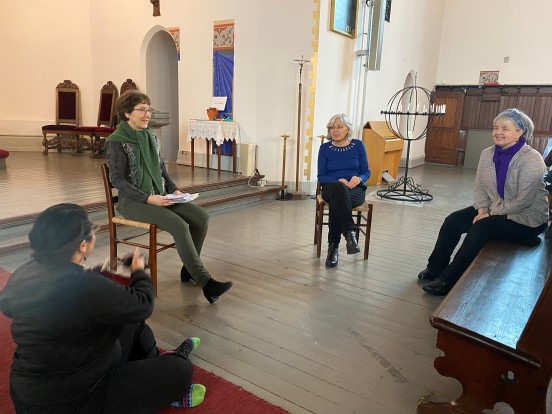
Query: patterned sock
{"type": "Point", "coordinates": [186, 347]}
{"type": "Point", "coordinates": [193, 397]}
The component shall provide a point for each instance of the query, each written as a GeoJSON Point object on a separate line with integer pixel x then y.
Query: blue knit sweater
{"type": "Point", "coordinates": [343, 162]}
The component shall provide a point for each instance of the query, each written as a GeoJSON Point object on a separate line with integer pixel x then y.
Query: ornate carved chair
{"type": "Point", "coordinates": [67, 119]}
{"type": "Point", "coordinates": [105, 124]}
{"type": "Point", "coordinates": [128, 85]}
{"type": "Point", "coordinates": [153, 246]}
{"type": "Point", "coordinates": [362, 215]}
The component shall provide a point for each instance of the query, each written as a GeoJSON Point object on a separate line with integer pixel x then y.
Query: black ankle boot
{"type": "Point", "coordinates": [213, 289]}
{"type": "Point", "coordinates": [352, 245]}
{"type": "Point", "coordinates": [333, 255]}
{"type": "Point", "coordinates": [185, 276]}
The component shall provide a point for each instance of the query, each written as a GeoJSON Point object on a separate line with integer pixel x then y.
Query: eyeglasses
{"type": "Point", "coordinates": [144, 110]}
{"type": "Point", "coordinates": [330, 127]}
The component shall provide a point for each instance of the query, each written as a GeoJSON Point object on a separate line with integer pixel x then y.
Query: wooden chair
{"type": "Point", "coordinates": [67, 119]}
{"type": "Point", "coordinates": [362, 215]}
{"type": "Point", "coordinates": [153, 247]}
{"type": "Point", "coordinates": [128, 85]}
{"type": "Point", "coordinates": [105, 124]}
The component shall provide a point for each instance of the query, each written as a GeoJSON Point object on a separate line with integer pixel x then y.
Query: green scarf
{"type": "Point", "coordinates": [148, 170]}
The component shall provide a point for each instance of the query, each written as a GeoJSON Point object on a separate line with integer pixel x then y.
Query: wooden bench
{"type": "Point", "coordinates": [495, 329]}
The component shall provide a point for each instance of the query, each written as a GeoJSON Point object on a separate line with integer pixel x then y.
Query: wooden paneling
{"type": "Point", "coordinates": [470, 116]}
{"type": "Point", "coordinates": [443, 132]}
{"type": "Point", "coordinates": [543, 114]}
{"type": "Point", "coordinates": [483, 103]}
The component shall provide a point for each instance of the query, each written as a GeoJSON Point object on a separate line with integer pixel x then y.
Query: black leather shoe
{"type": "Point", "coordinates": [185, 276]}
{"type": "Point", "coordinates": [352, 244]}
{"type": "Point", "coordinates": [333, 255]}
{"type": "Point", "coordinates": [213, 289]}
{"type": "Point", "coordinates": [437, 288]}
{"type": "Point", "coordinates": [427, 274]}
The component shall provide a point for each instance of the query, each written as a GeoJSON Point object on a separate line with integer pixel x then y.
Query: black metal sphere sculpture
{"type": "Point", "coordinates": [406, 110]}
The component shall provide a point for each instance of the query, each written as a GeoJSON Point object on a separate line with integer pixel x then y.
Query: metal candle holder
{"type": "Point", "coordinates": [417, 102]}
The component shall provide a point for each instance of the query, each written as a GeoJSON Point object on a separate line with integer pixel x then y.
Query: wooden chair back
{"type": "Point", "coordinates": [153, 246]}
{"type": "Point", "coordinates": [128, 85]}
{"type": "Point", "coordinates": [106, 110]}
{"type": "Point", "coordinates": [362, 215]}
{"type": "Point", "coordinates": [67, 103]}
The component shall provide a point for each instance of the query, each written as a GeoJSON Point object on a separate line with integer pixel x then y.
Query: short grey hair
{"type": "Point", "coordinates": [520, 120]}
{"type": "Point", "coordinates": [346, 121]}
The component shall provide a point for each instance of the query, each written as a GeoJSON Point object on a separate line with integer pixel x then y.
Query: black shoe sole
{"type": "Point", "coordinates": [330, 266]}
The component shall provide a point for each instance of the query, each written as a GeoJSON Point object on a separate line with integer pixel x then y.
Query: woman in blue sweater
{"type": "Point", "coordinates": [342, 171]}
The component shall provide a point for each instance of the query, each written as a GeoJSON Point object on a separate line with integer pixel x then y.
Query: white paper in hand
{"type": "Point", "coordinates": [181, 198]}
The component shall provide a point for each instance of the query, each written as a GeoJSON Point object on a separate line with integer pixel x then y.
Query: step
{"type": "Point", "coordinates": [215, 197]}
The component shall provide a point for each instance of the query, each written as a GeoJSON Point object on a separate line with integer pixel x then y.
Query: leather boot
{"type": "Point", "coordinates": [214, 289]}
{"type": "Point", "coordinates": [185, 276]}
{"type": "Point", "coordinates": [352, 244]}
{"type": "Point", "coordinates": [333, 255]}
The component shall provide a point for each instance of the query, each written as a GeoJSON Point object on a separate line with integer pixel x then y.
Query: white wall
{"type": "Point", "coordinates": [43, 43]}
{"type": "Point", "coordinates": [411, 41]}
{"type": "Point", "coordinates": [477, 35]}
{"type": "Point", "coordinates": [105, 40]}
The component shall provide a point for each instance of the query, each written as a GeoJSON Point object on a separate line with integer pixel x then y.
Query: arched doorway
{"type": "Point", "coordinates": [162, 87]}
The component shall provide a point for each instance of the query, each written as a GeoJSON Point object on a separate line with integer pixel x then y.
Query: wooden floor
{"type": "Point", "coordinates": [32, 182]}
{"type": "Point", "coordinates": [354, 339]}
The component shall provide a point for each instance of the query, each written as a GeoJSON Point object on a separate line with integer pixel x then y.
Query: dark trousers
{"type": "Point", "coordinates": [477, 234]}
{"type": "Point", "coordinates": [341, 201]}
{"type": "Point", "coordinates": [144, 381]}
{"type": "Point", "coordinates": [187, 223]}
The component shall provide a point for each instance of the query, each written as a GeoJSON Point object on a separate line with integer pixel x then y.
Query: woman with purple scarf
{"type": "Point", "coordinates": [510, 203]}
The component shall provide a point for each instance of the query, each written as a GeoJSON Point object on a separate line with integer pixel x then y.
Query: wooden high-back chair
{"type": "Point", "coordinates": [105, 124]}
{"type": "Point", "coordinates": [128, 85]}
{"type": "Point", "coordinates": [362, 215]}
{"type": "Point", "coordinates": [67, 119]}
{"type": "Point", "coordinates": [153, 246]}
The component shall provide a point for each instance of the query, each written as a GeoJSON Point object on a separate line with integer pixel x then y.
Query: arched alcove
{"type": "Point", "coordinates": [160, 76]}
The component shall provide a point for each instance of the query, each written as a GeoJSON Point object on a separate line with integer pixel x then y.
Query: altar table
{"type": "Point", "coordinates": [217, 131]}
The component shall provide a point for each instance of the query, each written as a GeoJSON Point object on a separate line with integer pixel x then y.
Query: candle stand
{"type": "Point", "coordinates": [410, 106]}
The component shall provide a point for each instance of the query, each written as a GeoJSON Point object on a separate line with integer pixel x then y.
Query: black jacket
{"type": "Point", "coordinates": [65, 323]}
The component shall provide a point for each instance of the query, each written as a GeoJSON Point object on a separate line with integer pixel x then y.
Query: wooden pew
{"type": "Point", "coordinates": [495, 329]}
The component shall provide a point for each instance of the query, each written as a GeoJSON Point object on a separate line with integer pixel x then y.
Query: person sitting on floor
{"type": "Point", "coordinates": [510, 203]}
{"type": "Point", "coordinates": [138, 172]}
{"type": "Point", "coordinates": [82, 345]}
{"type": "Point", "coordinates": [342, 171]}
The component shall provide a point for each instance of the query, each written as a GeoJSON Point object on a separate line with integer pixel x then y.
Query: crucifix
{"type": "Point", "coordinates": [156, 8]}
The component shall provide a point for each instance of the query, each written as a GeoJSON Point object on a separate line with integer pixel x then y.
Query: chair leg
{"type": "Point", "coordinates": [319, 229]}
{"type": "Point", "coordinates": [368, 231]}
{"type": "Point", "coordinates": [112, 246]}
{"type": "Point", "coordinates": [316, 219]}
{"type": "Point", "coordinates": [153, 256]}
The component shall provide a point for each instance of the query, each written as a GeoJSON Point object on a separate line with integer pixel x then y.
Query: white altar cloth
{"type": "Point", "coordinates": [217, 130]}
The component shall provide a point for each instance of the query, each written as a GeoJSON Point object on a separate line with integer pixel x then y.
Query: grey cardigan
{"type": "Point", "coordinates": [525, 198]}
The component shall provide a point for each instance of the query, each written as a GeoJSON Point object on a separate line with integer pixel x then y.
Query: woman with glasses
{"type": "Point", "coordinates": [138, 172]}
{"type": "Point", "coordinates": [510, 203]}
{"type": "Point", "coordinates": [82, 343]}
{"type": "Point", "coordinates": [342, 171]}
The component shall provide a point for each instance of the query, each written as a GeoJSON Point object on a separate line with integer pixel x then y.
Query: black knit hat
{"type": "Point", "coordinates": [59, 227]}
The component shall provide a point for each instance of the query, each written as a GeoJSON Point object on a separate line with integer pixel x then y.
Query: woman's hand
{"type": "Point", "coordinates": [352, 183]}
{"type": "Point", "coordinates": [158, 200]}
{"type": "Point", "coordinates": [138, 262]}
{"type": "Point", "coordinates": [481, 214]}
{"type": "Point", "coordinates": [177, 192]}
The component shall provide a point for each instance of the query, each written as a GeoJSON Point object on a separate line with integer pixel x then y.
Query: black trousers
{"type": "Point", "coordinates": [477, 234]}
{"type": "Point", "coordinates": [144, 381]}
{"type": "Point", "coordinates": [341, 200]}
